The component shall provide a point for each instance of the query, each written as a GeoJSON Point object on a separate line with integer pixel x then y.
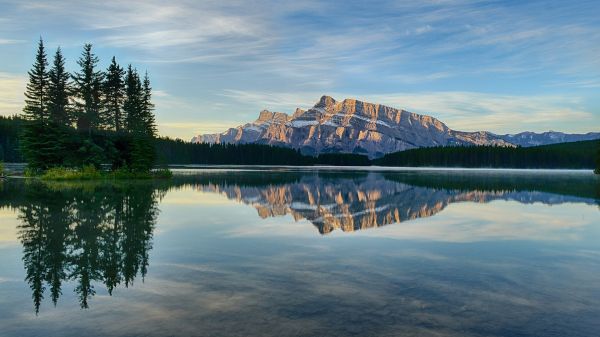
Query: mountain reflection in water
{"type": "Point", "coordinates": [90, 233]}
{"type": "Point", "coordinates": [354, 202]}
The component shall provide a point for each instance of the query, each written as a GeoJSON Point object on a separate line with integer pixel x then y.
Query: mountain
{"type": "Point", "coordinates": [351, 126]}
{"type": "Point", "coordinates": [527, 139]}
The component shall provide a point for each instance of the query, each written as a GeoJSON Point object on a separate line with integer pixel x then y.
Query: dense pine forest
{"type": "Point", "coordinates": [575, 155]}
{"type": "Point", "coordinates": [171, 151]}
{"type": "Point", "coordinates": [10, 128]}
{"type": "Point", "coordinates": [82, 119]}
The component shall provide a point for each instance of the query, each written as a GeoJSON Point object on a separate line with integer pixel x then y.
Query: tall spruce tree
{"type": "Point", "coordinates": [133, 100]}
{"type": "Point", "coordinates": [114, 95]}
{"type": "Point", "coordinates": [88, 91]}
{"type": "Point", "coordinates": [58, 92]}
{"type": "Point", "coordinates": [147, 108]}
{"type": "Point", "coordinates": [38, 143]}
{"type": "Point", "coordinates": [36, 94]}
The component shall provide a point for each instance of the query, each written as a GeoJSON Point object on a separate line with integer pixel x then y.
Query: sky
{"type": "Point", "coordinates": [500, 66]}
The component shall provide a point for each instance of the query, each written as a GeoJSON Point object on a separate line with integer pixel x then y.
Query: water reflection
{"type": "Point", "coordinates": [89, 234]}
{"type": "Point", "coordinates": [353, 202]}
{"type": "Point", "coordinates": [85, 234]}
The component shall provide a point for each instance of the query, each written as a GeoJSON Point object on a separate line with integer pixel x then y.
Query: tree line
{"type": "Point", "coordinates": [573, 155]}
{"type": "Point", "coordinates": [170, 151]}
{"type": "Point", "coordinates": [89, 117]}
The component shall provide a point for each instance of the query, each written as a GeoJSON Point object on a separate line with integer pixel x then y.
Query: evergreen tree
{"type": "Point", "coordinates": [88, 85]}
{"type": "Point", "coordinates": [133, 100]}
{"type": "Point", "coordinates": [140, 122]}
{"type": "Point", "coordinates": [36, 95]}
{"type": "Point", "coordinates": [40, 144]}
{"type": "Point", "coordinates": [597, 170]}
{"type": "Point", "coordinates": [147, 109]}
{"type": "Point", "coordinates": [58, 92]}
{"type": "Point", "coordinates": [114, 95]}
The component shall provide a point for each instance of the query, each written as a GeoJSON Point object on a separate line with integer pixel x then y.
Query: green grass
{"type": "Point", "coordinates": [92, 173]}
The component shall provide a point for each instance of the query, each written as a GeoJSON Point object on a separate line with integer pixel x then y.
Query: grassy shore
{"type": "Point", "coordinates": [92, 173]}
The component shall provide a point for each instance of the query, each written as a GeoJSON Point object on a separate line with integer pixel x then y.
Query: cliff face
{"type": "Point", "coordinates": [349, 126]}
{"type": "Point", "coordinates": [352, 126]}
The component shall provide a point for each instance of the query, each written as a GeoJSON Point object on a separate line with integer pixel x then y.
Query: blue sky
{"type": "Point", "coordinates": [502, 66]}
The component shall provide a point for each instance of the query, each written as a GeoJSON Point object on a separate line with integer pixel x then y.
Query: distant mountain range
{"type": "Point", "coordinates": [352, 126]}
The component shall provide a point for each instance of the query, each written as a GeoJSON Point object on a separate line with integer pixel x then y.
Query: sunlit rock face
{"type": "Point", "coordinates": [350, 204]}
{"type": "Point", "coordinates": [352, 126]}
{"type": "Point", "coordinates": [349, 126]}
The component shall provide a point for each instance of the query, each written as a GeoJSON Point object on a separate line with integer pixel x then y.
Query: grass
{"type": "Point", "coordinates": [92, 173]}
{"type": "Point", "coordinates": [1, 169]}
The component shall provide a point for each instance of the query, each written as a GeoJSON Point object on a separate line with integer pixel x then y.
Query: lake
{"type": "Point", "coordinates": [254, 251]}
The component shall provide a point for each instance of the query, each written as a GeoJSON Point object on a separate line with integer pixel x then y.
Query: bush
{"type": "Point", "coordinates": [163, 173]}
{"type": "Point", "coordinates": [61, 173]}
{"type": "Point", "coordinates": [90, 172]}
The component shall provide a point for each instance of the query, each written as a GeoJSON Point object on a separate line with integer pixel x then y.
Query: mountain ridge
{"type": "Point", "coordinates": [353, 126]}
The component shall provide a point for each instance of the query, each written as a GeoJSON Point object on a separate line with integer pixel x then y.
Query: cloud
{"type": "Point", "coordinates": [472, 111]}
{"type": "Point", "coordinates": [466, 111]}
{"type": "Point", "coordinates": [12, 87]}
{"type": "Point", "coordinates": [11, 41]}
{"type": "Point", "coordinates": [284, 54]}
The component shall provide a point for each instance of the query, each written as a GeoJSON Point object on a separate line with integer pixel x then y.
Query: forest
{"type": "Point", "coordinates": [574, 155]}
{"type": "Point", "coordinates": [83, 119]}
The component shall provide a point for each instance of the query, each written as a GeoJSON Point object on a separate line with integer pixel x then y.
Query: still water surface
{"type": "Point", "coordinates": [292, 252]}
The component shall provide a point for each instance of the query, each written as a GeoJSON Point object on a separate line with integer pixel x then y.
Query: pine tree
{"type": "Point", "coordinates": [36, 95]}
{"type": "Point", "coordinates": [114, 95]}
{"type": "Point", "coordinates": [133, 100]}
{"type": "Point", "coordinates": [597, 170]}
{"type": "Point", "coordinates": [37, 144]}
{"type": "Point", "coordinates": [88, 85]}
{"type": "Point", "coordinates": [59, 91]}
{"type": "Point", "coordinates": [147, 109]}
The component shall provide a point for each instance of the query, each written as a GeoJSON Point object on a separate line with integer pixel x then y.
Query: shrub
{"type": "Point", "coordinates": [60, 173]}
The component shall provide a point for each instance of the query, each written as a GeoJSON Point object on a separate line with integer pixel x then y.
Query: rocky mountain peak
{"type": "Point", "coordinates": [325, 102]}
{"type": "Point", "coordinates": [299, 112]}
{"type": "Point", "coordinates": [353, 126]}
{"type": "Point", "coordinates": [264, 116]}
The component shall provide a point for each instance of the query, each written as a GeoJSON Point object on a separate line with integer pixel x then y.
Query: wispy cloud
{"type": "Point", "coordinates": [283, 54]}
{"type": "Point", "coordinates": [12, 87]}
{"type": "Point", "coordinates": [10, 41]}
{"type": "Point", "coordinates": [467, 111]}
{"type": "Point", "coordinates": [472, 111]}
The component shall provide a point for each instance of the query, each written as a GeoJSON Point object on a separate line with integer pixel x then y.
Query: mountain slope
{"type": "Point", "coordinates": [350, 126]}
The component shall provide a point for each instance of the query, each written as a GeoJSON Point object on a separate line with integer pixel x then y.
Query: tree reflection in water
{"type": "Point", "coordinates": [85, 233]}
{"type": "Point", "coordinates": [101, 233]}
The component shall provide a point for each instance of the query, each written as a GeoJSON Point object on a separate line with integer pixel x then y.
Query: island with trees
{"type": "Point", "coordinates": [74, 124]}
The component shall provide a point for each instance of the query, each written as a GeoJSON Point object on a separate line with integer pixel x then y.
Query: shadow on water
{"type": "Point", "coordinates": [91, 233]}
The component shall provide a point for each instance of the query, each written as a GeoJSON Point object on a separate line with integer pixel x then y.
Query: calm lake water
{"type": "Point", "coordinates": [299, 252]}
